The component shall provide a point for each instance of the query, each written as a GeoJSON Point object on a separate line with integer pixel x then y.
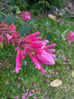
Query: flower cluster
{"type": "Point", "coordinates": [34, 46]}
{"type": "Point", "coordinates": [25, 15]}
{"type": "Point", "coordinates": [36, 49]}
{"type": "Point", "coordinates": [8, 32]}
{"type": "Point", "coordinates": [70, 36]}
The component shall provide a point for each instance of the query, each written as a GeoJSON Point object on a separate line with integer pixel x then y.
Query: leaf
{"type": "Point", "coordinates": [3, 10]}
{"type": "Point", "coordinates": [9, 19]}
{"type": "Point", "coordinates": [11, 1]}
{"type": "Point", "coordinates": [25, 29]}
{"type": "Point", "coordinates": [72, 74]}
{"type": "Point", "coordinates": [1, 44]}
{"type": "Point", "coordinates": [56, 83]}
{"type": "Point", "coordinates": [33, 20]}
{"type": "Point", "coordinates": [56, 59]}
{"type": "Point", "coordinates": [58, 36]}
{"type": "Point", "coordinates": [51, 16]}
{"type": "Point", "coordinates": [48, 36]}
{"type": "Point", "coordinates": [1, 18]}
{"type": "Point", "coordinates": [55, 18]}
{"type": "Point", "coordinates": [51, 36]}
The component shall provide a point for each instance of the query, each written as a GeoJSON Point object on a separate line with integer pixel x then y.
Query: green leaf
{"type": "Point", "coordinates": [49, 36]}
{"type": "Point", "coordinates": [58, 36]}
{"type": "Point", "coordinates": [3, 10]}
{"type": "Point", "coordinates": [9, 19]}
{"type": "Point", "coordinates": [25, 29]}
{"type": "Point", "coordinates": [1, 18]}
{"type": "Point", "coordinates": [11, 1]}
{"type": "Point", "coordinates": [33, 20]}
{"type": "Point", "coordinates": [56, 59]}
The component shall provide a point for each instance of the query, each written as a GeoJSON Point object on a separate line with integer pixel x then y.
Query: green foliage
{"type": "Point", "coordinates": [14, 8]}
{"type": "Point", "coordinates": [22, 4]}
{"type": "Point", "coordinates": [51, 37]}
{"type": "Point", "coordinates": [52, 3]}
{"type": "Point", "coordinates": [44, 2]}
{"type": "Point", "coordinates": [9, 19]}
{"type": "Point", "coordinates": [3, 10]}
{"type": "Point", "coordinates": [36, 9]}
{"type": "Point", "coordinates": [29, 74]}
{"type": "Point", "coordinates": [33, 20]}
{"type": "Point", "coordinates": [57, 3]}
{"type": "Point", "coordinates": [25, 29]}
{"type": "Point", "coordinates": [1, 17]}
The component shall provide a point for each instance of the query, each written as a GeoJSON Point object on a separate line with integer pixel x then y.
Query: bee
{"type": "Point", "coordinates": [33, 52]}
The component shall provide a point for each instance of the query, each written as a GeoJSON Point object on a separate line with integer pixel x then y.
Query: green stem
{"type": "Point", "coordinates": [3, 14]}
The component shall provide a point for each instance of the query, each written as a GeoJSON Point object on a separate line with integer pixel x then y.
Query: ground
{"type": "Point", "coordinates": [31, 78]}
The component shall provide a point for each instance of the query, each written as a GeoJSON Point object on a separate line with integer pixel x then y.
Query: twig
{"type": "Point", "coordinates": [6, 59]}
{"type": "Point", "coordinates": [41, 15]}
{"type": "Point", "coordinates": [46, 29]}
{"type": "Point", "coordinates": [3, 13]}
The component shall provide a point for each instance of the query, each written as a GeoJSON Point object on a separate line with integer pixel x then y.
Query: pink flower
{"type": "Point", "coordinates": [14, 36]}
{"type": "Point", "coordinates": [42, 54]}
{"type": "Point", "coordinates": [25, 94]}
{"type": "Point", "coordinates": [25, 15]}
{"type": "Point", "coordinates": [6, 82]}
{"type": "Point", "coordinates": [12, 28]}
{"type": "Point", "coordinates": [46, 58]}
{"type": "Point", "coordinates": [57, 73]}
{"type": "Point", "coordinates": [17, 97]}
{"type": "Point", "coordinates": [57, 68]}
{"type": "Point", "coordinates": [50, 74]}
{"type": "Point", "coordinates": [19, 85]}
{"type": "Point", "coordinates": [33, 90]}
{"type": "Point", "coordinates": [36, 89]}
{"type": "Point", "coordinates": [47, 76]}
{"type": "Point", "coordinates": [9, 37]}
{"type": "Point", "coordinates": [47, 80]}
{"type": "Point", "coordinates": [3, 24]}
{"type": "Point", "coordinates": [64, 57]}
{"type": "Point", "coordinates": [35, 98]}
{"type": "Point", "coordinates": [27, 90]}
{"type": "Point", "coordinates": [70, 36]}
{"type": "Point", "coordinates": [6, 30]}
{"type": "Point", "coordinates": [19, 78]}
{"type": "Point", "coordinates": [19, 56]}
{"type": "Point", "coordinates": [36, 62]}
{"type": "Point", "coordinates": [37, 50]}
{"type": "Point", "coordinates": [23, 97]}
{"type": "Point", "coordinates": [34, 85]}
{"type": "Point", "coordinates": [18, 61]}
{"type": "Point", "coordinates": [30, 94]}
{"type": "Point", "coordinates": [64, 63]}
{"type": "Point", "coordinates": [27, 42]}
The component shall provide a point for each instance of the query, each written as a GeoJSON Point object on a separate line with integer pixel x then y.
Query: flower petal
{"type": "Point", "coordinates": [18, 61]}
